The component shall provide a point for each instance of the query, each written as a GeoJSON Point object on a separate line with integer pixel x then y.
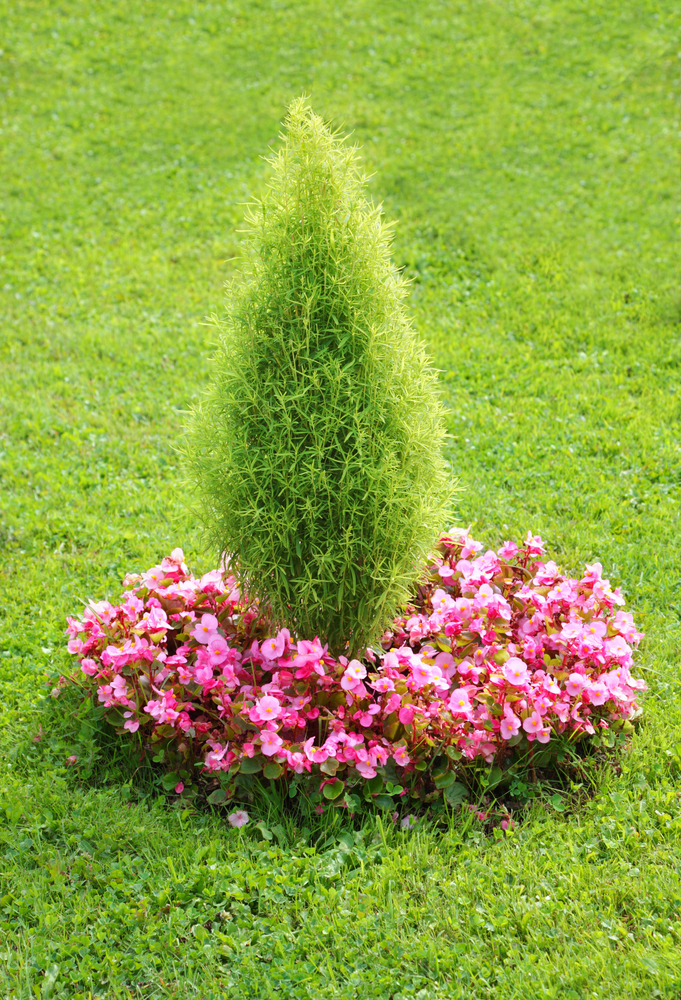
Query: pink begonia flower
{"type": "Point", "coordinates": [270, 742]}
{"type": "Point", "coordinates": [72, 760]}
{"type": "Point", "coordinates": [422, 673]}
{"type": "Point", "coordinates": [617, 648]}
{"type": "Point", "coordinates": [132, 724]}
{"type": "Point", "coordinates": [533, 724]}
{"type": "Point", "coordinates": [544, 734]}
{"type": "Point", "coordinates": [153, 576]}
{"type": "Point", "coordinates": [355, 670]}
{"type": "Point", "coordinates": [510, 726]}
{"type": "Point", "coordinates": [442, 601]}
{"type": "Point", "coordinates": [297, 761]}
{"type": "Point", "coordinates": [459, 703]}
{"type": "Point", "coordinates": [102, 610]}
{"type": "Point", "coordinates": [515, 671]}
{"type": "Point", "coordinates": [546, 574]}
{"type": "Point", "coordinates": [393, 703]}
{"type": "Point", "coordinates": [406, 715]}
{"type": "Point", "coordinates": [446, 573]}
{"type": "Point", "coordinates": [594, 571]}
{"type": "Point", "coordinates": [365, 769]}
{"type": "Point", "coordinates": [401, 757]}
{"type": "Point", "coordinates": [203, 674]}
{"type": "Point", "coordinates": [316, 754]}
{"type": "Point", "coordinates": [595, 628]}
{"type": "Point", "coordinates": [391, 661]}
{"type": "Point", "coordinates": [268, 708]}
{"type": "Point", "coordinates": [534, 545]}
{"type": "Point", "coordinates": [239, 818]}
{"type": "Point", "coordinates": [206, 629]}
{"type": "Point", "coordinates": [572, 629]}
{"type": "Point", "coordinates": [382, 685]}
{"type": "Point", "coordinates": [575, 684]}
{"type": "Point", "coordinates": [273, 648]}
{"type": "Point", "coordinates": [507, 824]}
{"type": "Point", "coordinates": [179, 787]}
{"type": "Point", "coordinates": [447, 664]}
{"type": "Point", "coordinates": [508, 550]}
{"type": "Point", "coordinates": [470, 546]}
{"type": "Point", "coordinates": [543, 704]}
{"type": "Point", "coordinates": [89, 667]}
{"type": "Point", "coordinates": [598, 693]}
{"type": "Point", "coordinates": [219, 650]}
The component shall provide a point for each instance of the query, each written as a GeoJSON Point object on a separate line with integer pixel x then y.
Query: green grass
{"type": "Point", "coordinates": [530, 151]}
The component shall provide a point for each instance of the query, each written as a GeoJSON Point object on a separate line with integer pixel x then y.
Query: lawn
{"type": "Point", "coordinates": [529, 152]}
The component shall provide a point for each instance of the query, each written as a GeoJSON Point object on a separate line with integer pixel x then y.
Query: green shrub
{"type": "Point", "coordinates": [317, 451]}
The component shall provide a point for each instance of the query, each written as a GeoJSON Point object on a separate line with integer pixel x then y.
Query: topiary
{"type": "Point", "coordinates": [316, 454]}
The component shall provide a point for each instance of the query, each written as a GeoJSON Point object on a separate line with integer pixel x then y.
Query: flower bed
{"type": "Point", "coordinates": [498, 653]}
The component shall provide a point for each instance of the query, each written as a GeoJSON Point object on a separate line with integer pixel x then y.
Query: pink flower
{"type": "Point", "coordinates": [544, 734]}
{"type": "Point", "coordinates": [132, 725]}
{"type": "Point", "coordinates": [218, 649]}
{"type": "Point", "coordinates": [272, 649]}
{"type": "Point", "coordinates": [576, 684]}
{"type": "Point", "coordinates": [383, 684]}
{"type": "Point", "coordinates": [459, 702]}
{"type": "Point", "coordinates": [239, 818]}
{"type": "Point", "coordinates": [446, 573]}
{"type": "Point", "coordinates": [510, 725]}
{"type": "Point", "coordinates": [408, 822]}
{"type": "Point", "coordinates": [89, 667]}
{"type": "Point", "coordinates": [598, 693]}
{"type": "Point", "coordinates": [515, 671]}
{"type": "Point", "coordinates": [316, 754]}
{"type": "Point", "coordinates": [71, 760]}
{"type": "Point", "coordinates": [508, 550]}
{"type": "Point", "coordinates": [534, 545]}
{"type": "Point", "coordinates": [406, 715]}
{"type": "Point", "coordinates": [534, 724]}
{"type": "Point", "coordinates": [355, 671]}
{"type": "Point", "coordinates": [270, 742]}
{"type": "Point", "coordinates": [206, 629]}
{"type": "Point", "coordinates": [618, 649]}
{"type": "Point", "coordinates": [365, 769]}
{"type": "Point", "coordinates": [400, 756]}
{"type": "Point", "coordinates": [422, 673]}
{"type": "Point", "coordinates": [268, 708]}
{"type": "Point", "coordinates": [179, 787]}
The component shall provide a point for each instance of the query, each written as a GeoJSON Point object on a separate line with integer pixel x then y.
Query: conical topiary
{"type": "Point", "coordinates": [317, 452]}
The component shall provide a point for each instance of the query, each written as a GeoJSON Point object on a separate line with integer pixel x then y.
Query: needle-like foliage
{"type": "Point", "coordinates": [317, 451]}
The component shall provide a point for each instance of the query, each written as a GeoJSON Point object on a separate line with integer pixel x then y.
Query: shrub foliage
{"type": "Point", "coordinates": [317, 452]}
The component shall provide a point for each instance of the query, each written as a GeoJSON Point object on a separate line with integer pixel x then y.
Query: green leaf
{"type": "Point", "coordinates": [333, 790]}
{"type": "Point", "coordinates": [170, 780]}
{"type": "Point", "coordinates": [445, 779]}
{"type": "Point", "coordinates": [251, 765]}
{"type": "Point", "coordinates": [263, 830]}
{"type": "Point", "coordinates": [375, 785]}
{"type": "Point", "coordinates": [272, 769]}
{"type": "Point", "coordinates": [216, 797]}
{"type": "Point", "coordinates": [456, 794]}
{"type": "Point", "coordinates": [494, 776]}
{"type": "Point", "coordinates": [384, 802]}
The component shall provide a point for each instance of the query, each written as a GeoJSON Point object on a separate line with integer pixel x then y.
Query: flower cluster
{"type": "Point", "coordinates": [498, 648]}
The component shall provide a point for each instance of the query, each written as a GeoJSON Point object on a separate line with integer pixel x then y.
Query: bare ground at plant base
{"type": "Point", "coordinates": [530, 152]}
